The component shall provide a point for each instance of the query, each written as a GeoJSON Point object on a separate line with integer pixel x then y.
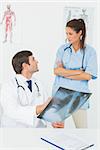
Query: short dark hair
{"type": "Point", "coordinates": [77, 25]}
{"type": "Point", "coordinates": [20, 58]}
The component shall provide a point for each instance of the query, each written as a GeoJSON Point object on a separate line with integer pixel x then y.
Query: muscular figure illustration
{"type": "Point", "coordinates": [8, 17]}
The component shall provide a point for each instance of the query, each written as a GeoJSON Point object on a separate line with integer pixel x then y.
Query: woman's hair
{"type": "Point", "coordinates": [77, 25]}
{"type": "Point", "coordinates": [20, 58]}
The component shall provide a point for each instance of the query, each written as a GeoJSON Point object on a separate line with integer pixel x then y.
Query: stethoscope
{"type": "Point", "coordinates": [20, 86]}
{"type": "Point", "coordinates": [69, 47]}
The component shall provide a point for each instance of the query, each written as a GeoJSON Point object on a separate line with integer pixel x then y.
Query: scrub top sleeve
{"type": "Point", "coordinates": [59, 56]}
{"type": "Point", "coordinates": [91, 67]}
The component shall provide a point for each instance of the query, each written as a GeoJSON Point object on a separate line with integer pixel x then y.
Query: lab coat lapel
{"type": "Point", "coordinates": [25, 95]}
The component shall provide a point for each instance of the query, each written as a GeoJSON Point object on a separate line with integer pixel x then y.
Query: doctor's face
{"type": "Point", "coordinates": [72, 35]}
{"type": "Point", "coordinates": [33, 65]}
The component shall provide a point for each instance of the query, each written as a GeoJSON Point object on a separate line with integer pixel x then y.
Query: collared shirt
{"type": "Point", "coordinates": [72, 60]}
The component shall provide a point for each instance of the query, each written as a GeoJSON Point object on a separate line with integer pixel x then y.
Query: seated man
{"type": "Point", "coordinates": [23, 97]}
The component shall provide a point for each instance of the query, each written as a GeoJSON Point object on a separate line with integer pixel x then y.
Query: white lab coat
{"type": "Point", "coordinates": [19, 106]}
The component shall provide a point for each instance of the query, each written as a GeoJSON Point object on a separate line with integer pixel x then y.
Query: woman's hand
{"type": "Point", "coordinates": [58, 124]}
{"type": "Point", "coordinates": [60, 71]}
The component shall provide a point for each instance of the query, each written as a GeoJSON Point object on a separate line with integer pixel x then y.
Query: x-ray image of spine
{"type": "Point", "coordinates": [9, 20]}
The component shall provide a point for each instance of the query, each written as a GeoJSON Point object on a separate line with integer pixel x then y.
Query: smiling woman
{"type": "Point", "coordinates": [72, 36]}
{"type": "Point", "coordinates": [75, 65]}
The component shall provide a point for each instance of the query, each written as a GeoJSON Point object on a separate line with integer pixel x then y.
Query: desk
{"type": "Point", "coordinates": [29, 139]}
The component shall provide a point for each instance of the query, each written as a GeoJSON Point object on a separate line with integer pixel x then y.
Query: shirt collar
{"type": "Point", "coordinates": [21, 78]}
{"type": "Point", "coordinates": [73, 51]}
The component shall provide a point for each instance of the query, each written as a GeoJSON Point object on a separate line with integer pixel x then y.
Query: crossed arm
{"type": "Point", "coordinates": [71, 74]}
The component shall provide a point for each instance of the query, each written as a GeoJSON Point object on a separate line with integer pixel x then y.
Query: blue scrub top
{"type": "Point", "coordinates": [73, 60]}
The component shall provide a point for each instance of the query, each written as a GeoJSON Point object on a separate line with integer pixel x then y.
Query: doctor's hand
{"type": "Point", "coordinates": [40, 108]}
{"type": "Point", "coordinates": [58, 124]}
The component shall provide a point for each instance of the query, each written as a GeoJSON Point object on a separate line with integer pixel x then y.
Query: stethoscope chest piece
{"type": "Point", "coordinates": [39, 94]}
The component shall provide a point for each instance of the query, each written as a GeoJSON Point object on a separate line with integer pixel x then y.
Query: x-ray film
{"type": "Point", "coordinates": [63, 104]}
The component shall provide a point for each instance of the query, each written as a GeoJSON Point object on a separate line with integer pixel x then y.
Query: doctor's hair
{"type": "Point", "coordinates": [20, 58]}
{"type": "Point", "coordinates": [78, 25]}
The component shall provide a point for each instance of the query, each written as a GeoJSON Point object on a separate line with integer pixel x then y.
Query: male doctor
{"type": "Point", "coordinates": [23, 97]}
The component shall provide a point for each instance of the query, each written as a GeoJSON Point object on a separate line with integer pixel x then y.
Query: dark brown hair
{"type": "Point", "coordinates": [77, 25]}
{"type": "Point", "coordinates": [20, 58]}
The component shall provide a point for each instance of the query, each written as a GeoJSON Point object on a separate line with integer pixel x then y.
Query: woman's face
{"type": "Point", "coordinates": [72, 36]}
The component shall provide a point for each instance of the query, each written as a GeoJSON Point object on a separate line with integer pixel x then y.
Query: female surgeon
{"type": "Point", "coordinates": [75, 65]}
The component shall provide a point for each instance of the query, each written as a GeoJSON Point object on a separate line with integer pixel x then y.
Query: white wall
{"type": "Point", "coordinates": [39, 27]}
